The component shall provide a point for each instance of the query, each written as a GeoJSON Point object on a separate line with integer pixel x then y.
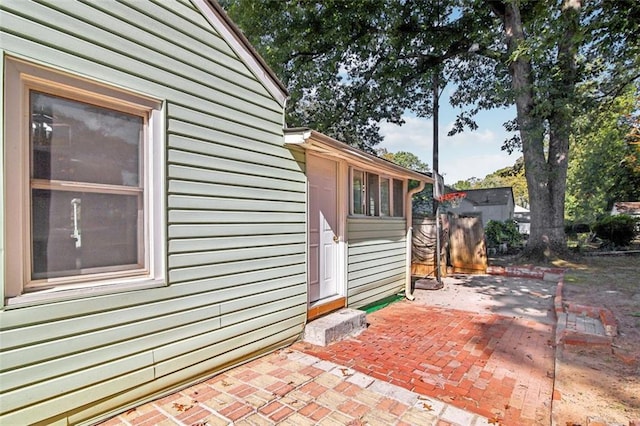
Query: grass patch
{"type": "Point", "coordinates": [593, 272]}
{"type": "Point", "coordinates": [377, 305]}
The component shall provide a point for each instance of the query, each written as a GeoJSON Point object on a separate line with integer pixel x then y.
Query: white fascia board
{"type": "Point", "coordinates": [311, 139]}
{"type": "Point", "coordinates": [297, 138]}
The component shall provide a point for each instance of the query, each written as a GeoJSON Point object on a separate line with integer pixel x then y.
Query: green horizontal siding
{"type": "Point", "coordinates": [275, 337]}
{"type": "Point", "coordinates": [228, 243]}
{"type": "Point", "coordinates": [236, 212]}
{"type": "Point", "coordinates": [196, 181]}
{"type": "Point", "coordinates": [376, 259]}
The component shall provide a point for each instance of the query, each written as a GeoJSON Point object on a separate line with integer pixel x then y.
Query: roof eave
{"type": "Point", "coordinates": [315, 141]}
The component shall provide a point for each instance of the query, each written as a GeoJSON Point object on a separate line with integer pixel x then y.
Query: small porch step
{"type": "Point", "coordinates": [335, 326]}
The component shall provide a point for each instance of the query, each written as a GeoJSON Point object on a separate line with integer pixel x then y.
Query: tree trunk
{"type": "Point", "coordinates": [546, 174]}
{"type": "Point", "coordinates": [531, 130]}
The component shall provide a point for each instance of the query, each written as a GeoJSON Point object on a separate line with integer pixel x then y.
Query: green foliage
{"type": "Point", "coordinates": [422, 201]}
{"type": "Point", "coordinates": [619, 229]}
{"type": "Point", "coordinates": [351, 64]}
{"type": "Point", "coordinates": [461, 185]}
{"type": "Point", "coordinates": [604, 164]}
{"type": "Point", "coordinates": [572, 228]}
{"type": "Point", "coordinates": [497, 233]}
{"type": "Point", "coordinates": [405, 159]}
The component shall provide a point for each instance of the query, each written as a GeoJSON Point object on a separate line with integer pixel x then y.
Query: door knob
{"type": "Point", "coordinates": [335, 239]}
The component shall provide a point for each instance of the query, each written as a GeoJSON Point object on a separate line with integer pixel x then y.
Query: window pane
{"type": "Point", "coordinates": [357, 186]}
{"type": "Point", "coordinates": [76, 231]}
{"type": "Point", "coordinates": [76, 141]}
{"type": "Point", "coordinates": [373, 195]}
{"type": "Point", "coordinates": [398, 198]}
{"type": "Point", "coordinates": [385, 202]}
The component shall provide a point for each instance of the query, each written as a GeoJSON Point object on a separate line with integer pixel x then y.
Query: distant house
{"type": "Point", "coordinates": [523, 217]}
{"type": "Point", "coordinates": [489, 204]}
{"type": "Point", "coordinates": [631, 208]}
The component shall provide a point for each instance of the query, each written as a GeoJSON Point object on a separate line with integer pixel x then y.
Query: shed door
{"type": "Point", "coordinates": [467, 249]}
{"type": "Point", "coordinates": [322, 228]}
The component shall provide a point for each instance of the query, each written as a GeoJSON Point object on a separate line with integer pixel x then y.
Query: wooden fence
{"type": "Point", "coordinates": [461, 242]}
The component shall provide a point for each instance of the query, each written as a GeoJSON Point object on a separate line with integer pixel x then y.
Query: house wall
{"type": "Point", "coordinates": [376, 259]}
{"type": "Point", "coordinates": [497, 212]}
{"type": "Point", "coordinates": [236, 280]}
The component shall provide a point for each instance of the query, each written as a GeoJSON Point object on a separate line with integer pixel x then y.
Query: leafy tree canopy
{"type": "Point", "coordinates": [604, 165]}
{"type": "Point", "coordinates": [351, 64]}
{"type": "Point", "coordinates": [405, 159]}
{"type": "Point", "coordinates": [422, 201]}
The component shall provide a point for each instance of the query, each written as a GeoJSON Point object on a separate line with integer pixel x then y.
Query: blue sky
{"type": "Point", "coordinates": [463, 156]}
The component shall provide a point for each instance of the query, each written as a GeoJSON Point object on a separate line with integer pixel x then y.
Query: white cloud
{"type": "Point", "coordinates": [460, 157]}
{"type": "Point", "coordinates": [465, 167]}
{"type": "Point", "coordinates": [413, 136]}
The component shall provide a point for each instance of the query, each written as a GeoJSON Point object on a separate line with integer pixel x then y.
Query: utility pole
{"type": "Point", "coordinates": [436, 204]}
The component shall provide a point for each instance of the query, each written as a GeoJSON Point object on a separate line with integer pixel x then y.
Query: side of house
{"type": "Point", "coordinates": [489, 203]}
{"type": "Point", "coordinates": [630, 208]}
{"type": "Point", "coordinates": [153, 222]}
{"type": "Point", "coordinates": [359, 223]}
{"type": "Point", "coordinates": [523, 217]}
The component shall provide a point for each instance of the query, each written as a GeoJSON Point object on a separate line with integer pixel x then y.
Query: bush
{"type": "Point", "coordinates": [619, 229]}
{"type": "Point", "coordinates": [497, 233]}
{"type": "Point", "coordinates": [573, 228]}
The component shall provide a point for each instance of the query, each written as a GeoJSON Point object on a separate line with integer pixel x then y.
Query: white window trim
{"type": "Point", "coordinates": [381, 176]}
{"type": "Point", "coordinates": [19, 75]}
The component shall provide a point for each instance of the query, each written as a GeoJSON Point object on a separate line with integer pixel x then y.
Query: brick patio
{"type": "Point", "coordinates": [499, 367]}
{"type": "Point", "coordinates": [293, 388]}
{"type": "Point", "coordinates": [413, 365]}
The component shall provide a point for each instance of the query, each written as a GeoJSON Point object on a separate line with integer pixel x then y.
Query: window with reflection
{"type": "Point", "coordinates": [86, 191]}
{"type": "Point", "coordinates": [357, 191]}
{"type": "Point", "coordinates": [376, 195]}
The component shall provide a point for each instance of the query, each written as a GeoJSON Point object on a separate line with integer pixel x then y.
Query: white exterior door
{"type": "Point", "coordinates": [322, 228]}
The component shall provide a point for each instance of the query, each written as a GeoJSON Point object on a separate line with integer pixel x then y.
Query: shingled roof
{"type": "Point", "coordinates": [627, 207]}
{"type": "Point", "coordinates": [489, 196]}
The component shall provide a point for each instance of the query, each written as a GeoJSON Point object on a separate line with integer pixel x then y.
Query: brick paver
{"type": "Point", "coordinates": [292, 388]}
{"type": "Point", "coordinates": [499, 367]}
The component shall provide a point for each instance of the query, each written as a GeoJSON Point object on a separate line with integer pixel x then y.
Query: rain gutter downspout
{"type": "Point", "coordinates": [409, 237]}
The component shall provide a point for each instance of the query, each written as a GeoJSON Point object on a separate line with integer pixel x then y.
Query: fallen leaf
{"type": "Point", "coordinates": [345, 372]}
{"type": "Point", "coordinates": [447, 398]}
{"type": "Point", "coordinates": [181, 407]}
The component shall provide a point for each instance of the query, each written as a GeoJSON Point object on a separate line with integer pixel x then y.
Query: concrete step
{"type": "Point", "coordinates": [335, 326]}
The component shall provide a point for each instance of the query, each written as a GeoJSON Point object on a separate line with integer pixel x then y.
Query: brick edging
{"type": "Point", "coordinates": [557, 300]}
{"type": "Point", "coordinates": [569, 337]}
{"type": "Point", "coordinates": [539, 272]}
{"type": "Point", "coordinates": [605, 316]}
